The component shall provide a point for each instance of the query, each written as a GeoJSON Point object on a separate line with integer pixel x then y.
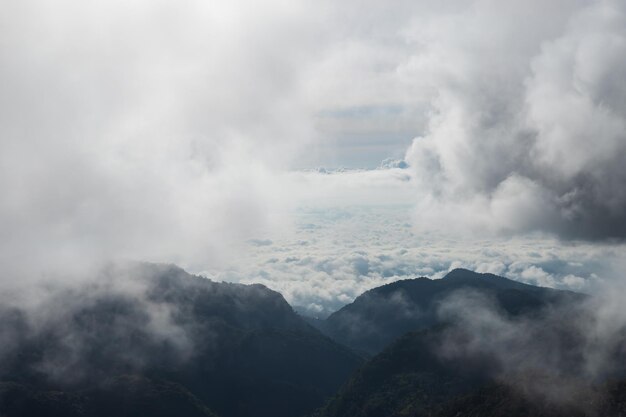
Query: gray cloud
{"type": "Point", "coordinates": [82, 320]}
{"type": "Point", "coordinates": [146, 130]}
{"type": "Point", "coordinates": [528, 129]}
{"type": "Point", "coordinates": [556, 354]}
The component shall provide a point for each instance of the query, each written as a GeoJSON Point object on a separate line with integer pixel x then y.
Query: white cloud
{"type": "Point", "coordinates": [167, 132]}
{"type": "Point", "coordinates": [353, 248]}
{"type": "Point", "coordinates": [528, 125]}
{"type": "Point", "coordinates": [147, 130]}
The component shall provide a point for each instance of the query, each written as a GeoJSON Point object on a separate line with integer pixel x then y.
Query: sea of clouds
{"type": "Point", "coordinates": [176, 132]}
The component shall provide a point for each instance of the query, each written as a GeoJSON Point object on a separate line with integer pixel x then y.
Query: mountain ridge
{"type": "Point", "coordinates": [378, 316]}
{"type": "Point", "coordinates": [499, 348]}
{"type": "Point", "coordinates": [236, 350]}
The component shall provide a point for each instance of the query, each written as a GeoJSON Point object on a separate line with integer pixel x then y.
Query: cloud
{"type": "Point", "coordinates": [527, 126]}
{"type": "Point", "coordinates": [146, 130]}
{"type": "Point", "coordinates": [92, 324]}
{"type": "Point", "coordinates": [353, 248]}
{"type": "Point", "coordinates": [562, 354]}
{"type": "Point", "coordinates": [169, 133]}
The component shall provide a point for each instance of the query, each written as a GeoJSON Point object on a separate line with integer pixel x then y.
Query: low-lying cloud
{"type": "Point", "coordinates": [336, 253]}
{"type": "Point", "coordinates": [563, 354]}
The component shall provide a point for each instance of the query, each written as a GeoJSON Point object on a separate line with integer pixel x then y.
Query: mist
{"type": "Point", "coordinates": [321, 150]}
{"type": "Point", "coordinates": [565, 354]}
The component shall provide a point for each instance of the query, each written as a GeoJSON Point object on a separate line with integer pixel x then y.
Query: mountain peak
{"type": "Point", "coordinates": [382, 314]}
{"type": "Point", "coordinates": [462, 273]}
{"type": "Point", "coordinates": [465, 276]}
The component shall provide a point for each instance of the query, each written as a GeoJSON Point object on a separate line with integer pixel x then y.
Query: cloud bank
{"type": "Point", "coordinates": [336, 253]}
{"type": "Point", "coordinates": [149, 130]}
{"type": "Point", "coordinates": [527, 130]}
{"type": "Point", "coordinates": [169, 133]}
{"type": "Point", "coordinates": [562, 354]}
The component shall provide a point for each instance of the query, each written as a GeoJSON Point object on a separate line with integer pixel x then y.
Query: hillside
{"type": "Point", "coordinates": [379, 316]}
{"type": "Point", "coordinates": [494, 348]}
{"type": "Point", "coordinates": [179, 342]}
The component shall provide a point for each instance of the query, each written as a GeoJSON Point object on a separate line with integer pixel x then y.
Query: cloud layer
{"type": "Point", "coordinates": [528, 129]}
{"type": "Point", "coordinates": [169, 133]}
{"type": "Point", "coordinates": [336, 253]}
{"type": "Point", "coordinates": [146, 130]}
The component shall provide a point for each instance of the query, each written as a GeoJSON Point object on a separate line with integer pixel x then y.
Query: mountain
{"type": "Point", "coordinates": [126, 396]}
{"type": "Point", "coordinates": [154, 340]}
{"type": "Point", "coordinates": [379, 316]}
{"type": "Point", "coordinates": [411, 379]}
{"type": "Point", "coordinates": [405, 379]}
{"type": "Point", "coordinates": [488, 347]}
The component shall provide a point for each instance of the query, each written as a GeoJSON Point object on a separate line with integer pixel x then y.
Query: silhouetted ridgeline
{"type": "Point", "coordinates": [490, 347]}
{"type": "Point", "coordinates": [154, 340]}
{"type": "Point", "coordinates": [379, 316]}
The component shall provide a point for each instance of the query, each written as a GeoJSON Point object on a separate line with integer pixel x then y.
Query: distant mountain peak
{"type": "Point", "coordinates": [380, 315]}
{"type": "Point", "coordinates": [466, 273]}
{"type": "Point", "coordinates": [463, 271]}
{"type": "Point", "coordinates": [465, 276]}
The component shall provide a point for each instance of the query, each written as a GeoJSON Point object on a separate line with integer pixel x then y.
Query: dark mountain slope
{"type": "Point", "coordinates": [499, 400]}
{"type": "Point", "coordinates": [405, 379]}
{"type": "Point", "coordinates": [410, 379]}
{"type": "Point", "coordinates": [179, 342]}
{"type": "Point", "coordinates": [498, 348]}
{"type": "Point", "coordinates": [124, 396]}
{"type": "Point", "coordinates": [379, 316]}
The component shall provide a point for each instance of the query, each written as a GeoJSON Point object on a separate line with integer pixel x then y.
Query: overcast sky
{"type": "Point", "coordinates": [191, 132]}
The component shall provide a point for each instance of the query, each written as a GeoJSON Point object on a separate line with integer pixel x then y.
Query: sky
{"type": "Point", "coordinates": [321, 148]}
